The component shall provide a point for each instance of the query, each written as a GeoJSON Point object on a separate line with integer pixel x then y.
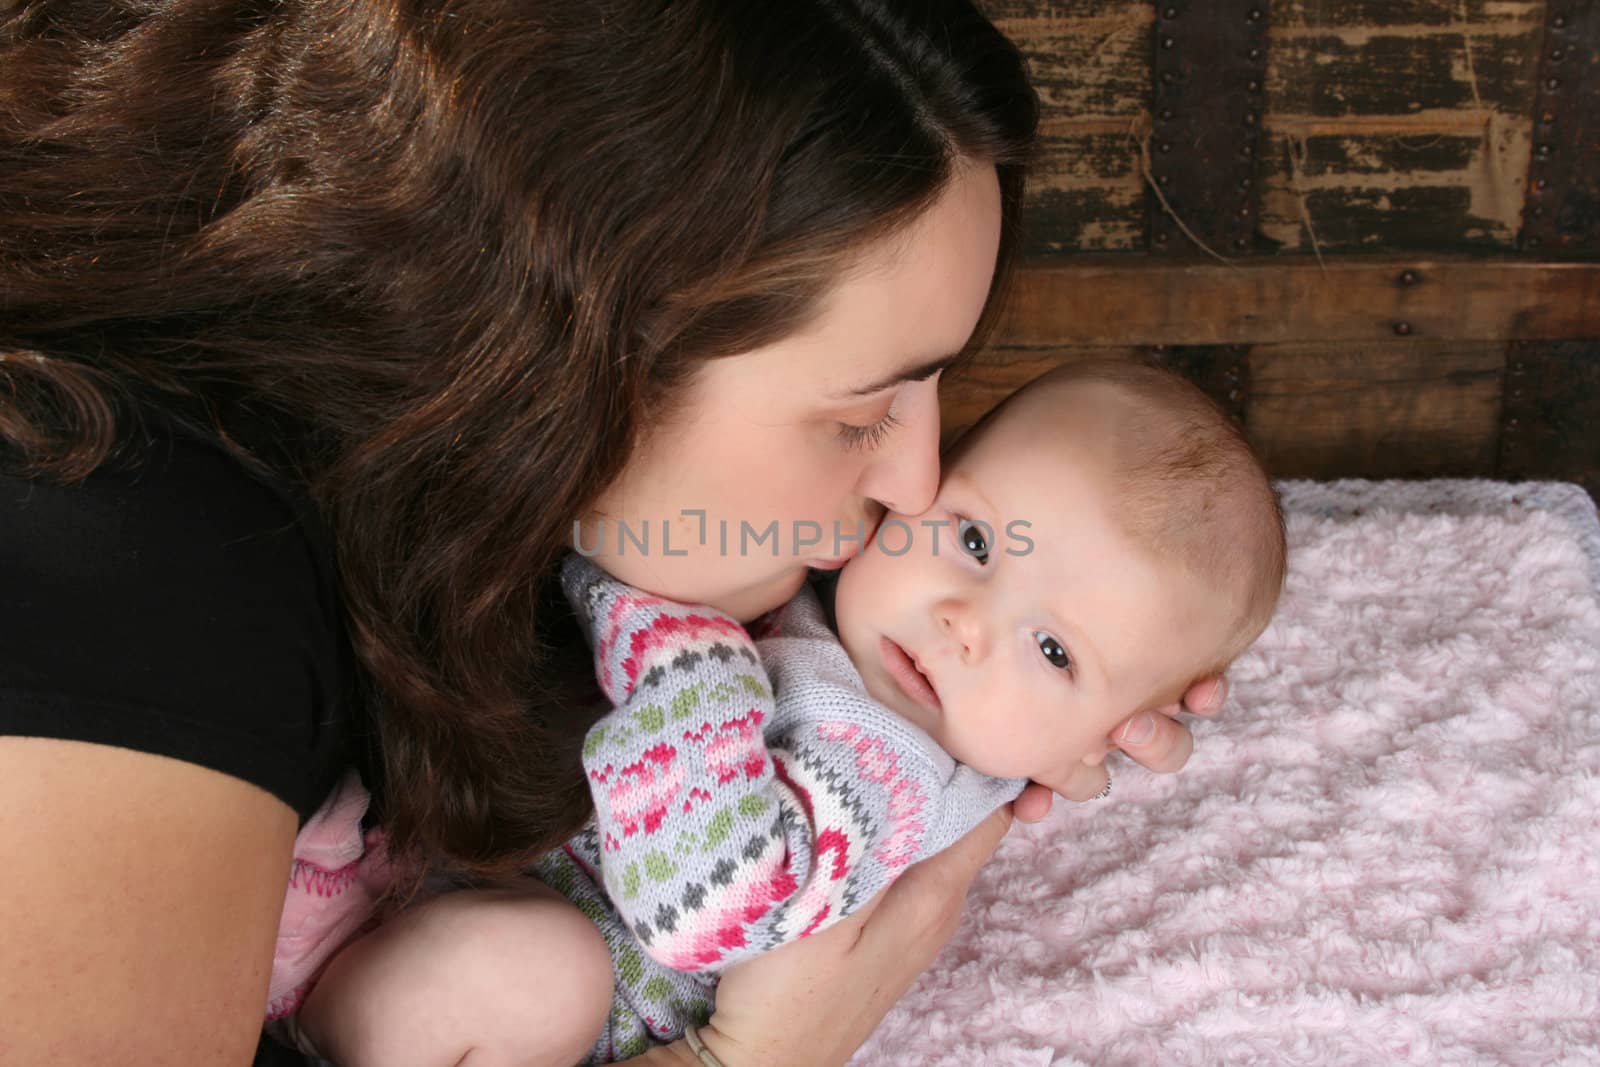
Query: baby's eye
{"type": "Point", "coordinates": [1052, 650]}
{"type": "Point", "coordinates": [973, 543]}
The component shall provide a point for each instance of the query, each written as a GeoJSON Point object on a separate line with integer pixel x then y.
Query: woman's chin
{"type": "Point", "coordinates": [752, 602]}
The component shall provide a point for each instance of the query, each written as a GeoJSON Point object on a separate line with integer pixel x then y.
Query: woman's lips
{"type": "Point", "coordinates": [911, 681]}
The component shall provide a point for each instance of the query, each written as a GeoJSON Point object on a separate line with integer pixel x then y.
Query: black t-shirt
{"type": "Point", "coordinates": [179, 605]}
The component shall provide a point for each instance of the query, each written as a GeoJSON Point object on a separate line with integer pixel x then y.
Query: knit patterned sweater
{"type": "Point", "coordinates": [747, 793]}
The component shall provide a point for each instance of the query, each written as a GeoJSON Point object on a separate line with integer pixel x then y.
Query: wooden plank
{"type": "Point", "coordinates": [1210, 68]}
{"type": "Point", "coordinates": [1392, 410]}
{"type": "Point", "coordinates": [1563, 210]}
{"type": "Point", "coordinates": [1135, 301]}
{"type": "Point", "coordinates": [1222, 371]}
{"type": "Point", "coordinates": [1551, 423]}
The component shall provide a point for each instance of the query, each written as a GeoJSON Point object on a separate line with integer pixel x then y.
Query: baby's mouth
{"type": "Point", "coordinates": [907, 674]}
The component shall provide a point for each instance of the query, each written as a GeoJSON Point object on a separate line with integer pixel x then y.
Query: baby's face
{"type": "Point", "coordinates": [1020, 658]}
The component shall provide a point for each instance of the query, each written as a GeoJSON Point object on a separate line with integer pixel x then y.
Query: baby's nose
{"type": "Point", "coordinates": [961, 623]}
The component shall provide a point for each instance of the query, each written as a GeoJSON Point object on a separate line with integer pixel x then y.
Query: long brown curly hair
{"type": "Point", "coordinates": [453, 252]}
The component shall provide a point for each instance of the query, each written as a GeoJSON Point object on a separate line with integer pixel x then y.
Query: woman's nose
{"type": "Point", "coordinates": [904, 476]}
{"type": "Point", "coordinates": [960, 622]}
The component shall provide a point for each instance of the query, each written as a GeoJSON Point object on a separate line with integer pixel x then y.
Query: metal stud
{"type": "Point", "coordinates": [1255, 53]}
{"type": "Point", "coordinates": [1403, 329]}
{"type": "Point", "coordinates": [1553, 84]}
{"type": "Point", "coordinates": [1409, 277]}
{"type": "Point", "coordinates": [1559, 22]}
{"type": "Point", "coordinates": [1557, 56]}
{"type": "Point", "coordinates": [1170, 13]}
{"type": "Point", "coordinates": [1166, 114]}
{"type": "Point", "coordinates": [1539, 184]}
{"type": "Point", "coordinates": [1167, 42]}
{"type": "Point", "coordinates": [1254, 86]}
{"type": "Point", "coordinates": [1167, 77]}
{"type": "Point", "coordinates": [1166, 146]}
{"type": "Point", "coordinates": [1545, 151]}
{"type": "Point", "coordinates": [1255, 14]}
{"type": "Point", "coordinates": [1244, 184]}
{"type": "Point", "coordinates": [1249, 118]}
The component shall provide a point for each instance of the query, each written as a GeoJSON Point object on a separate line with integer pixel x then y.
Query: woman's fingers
{"type": "Point", "coordinates": [1033, 804]}
{"type": "Point", "coordinates": [1155, 740]}
{"type": "Point", "coordinates": [1206, 696]}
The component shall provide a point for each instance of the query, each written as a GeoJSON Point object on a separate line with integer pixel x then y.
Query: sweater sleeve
{"type": "Point", "coordinates": [731, 822]}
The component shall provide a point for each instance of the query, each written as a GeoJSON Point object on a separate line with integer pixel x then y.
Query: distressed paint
{"type": "Point", "coordinates": [1395, 126]}
{"type": "Point", "coordinates": [1089, 61]}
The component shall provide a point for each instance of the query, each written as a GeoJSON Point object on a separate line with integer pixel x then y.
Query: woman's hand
{"type": "Point", "coordinates": [1155, 739]}
{"type": "Point", "coordinates": [813, 1002]}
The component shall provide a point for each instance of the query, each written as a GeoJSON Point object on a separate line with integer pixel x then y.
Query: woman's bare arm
{"type": "Point", "coordinates": [141, 898]}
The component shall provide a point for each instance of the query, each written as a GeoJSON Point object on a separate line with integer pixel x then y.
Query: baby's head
{"type": "Point", "coordinates": [1101, 540]}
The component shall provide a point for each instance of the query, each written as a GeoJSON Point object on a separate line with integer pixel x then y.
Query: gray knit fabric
{"type": "Point", "coordinates": [728, 822]}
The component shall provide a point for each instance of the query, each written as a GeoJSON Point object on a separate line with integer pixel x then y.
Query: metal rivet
{"type": "Point", "coordinates": [1557, 56]}
{"type": "Point", "coordinates": [1538, 212]}
{"type": "Point", "coordinates": [1516, 394]}
{"type": "Point", "coordinates": [1516, 368]}
{"type": "Point", "coordinates": [1254, 87]}
{"type": "Point", "coordinates": [1403, 329]}
{"type": "Point", "coordinates": [1539, 184]}
{"type": "Point", "coordinates": [1234, 394]}
{"type": "Point", "coordinates": [1408, 277]}
{"type": "Point", "coordinates": [1534, 242]}
{"type": "Point", "coordinates": [1255, 53]}
{"type": "Point", "coordinates": [1166, 146]}
{"type": "Point", "coordinates": [1170, 13]}
{"type": "Point", "coordinates": [1161, 238]}
{"type": "Point", "coordinates": [1167, 42]}
{"type": "Point", "coordinates": [1163, 180]}
{"type": "Point", "coordinates": [1244, 212]}
{"type": "Point", "coordinates": [1244, 183]}
{"type": "Point", "coordinates": [1545, 151]}
{"type": "Point", "coordinates": [1249, 118]}
{"type": "Point", "coordinates": [1255, 14]}
{"type": "Point", "coordinates": [1559, 22]}
{"type": "Point", "coordinates": [1168, 77]}
{"type": "Point", "coordinates": [1166, 115]}
{"type": "Point", "coordinates": [1511, 423]}
{"type": "Point", "coordinates": [1241, 243]}
{"type": "Point", "coordinates": [1553, 84]}
{"type": "Point", "coordinates": [1247, 151]}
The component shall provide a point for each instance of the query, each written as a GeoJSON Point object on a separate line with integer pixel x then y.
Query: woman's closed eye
{"type": "Point", "coordinates": [868, 437]}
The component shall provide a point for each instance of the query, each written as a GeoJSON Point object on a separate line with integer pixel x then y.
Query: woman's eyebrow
{"type": "Point", "coordinates": [911, 374]}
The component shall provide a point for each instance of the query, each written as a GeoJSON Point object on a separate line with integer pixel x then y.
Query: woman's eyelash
{"type": "Point", "coordinates": [868, 437]}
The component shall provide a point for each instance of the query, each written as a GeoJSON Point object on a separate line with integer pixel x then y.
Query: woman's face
{"type": "Point", "coordinates": [780, 457]}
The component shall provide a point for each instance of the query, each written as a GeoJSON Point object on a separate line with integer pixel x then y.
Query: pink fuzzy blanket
{"type": "Point", "coordinates": [1386, 851]}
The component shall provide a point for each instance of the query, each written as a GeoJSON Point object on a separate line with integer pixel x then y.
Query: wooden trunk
{"type": "Point", "coordinates": [1370, 228]}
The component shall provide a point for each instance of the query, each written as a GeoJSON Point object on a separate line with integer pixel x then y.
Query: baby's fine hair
{"type": "Point", "coordinates": [1187, 487]}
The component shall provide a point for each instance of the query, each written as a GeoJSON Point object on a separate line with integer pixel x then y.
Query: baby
{"type": "Point", "coordinates": [1101, 540]}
